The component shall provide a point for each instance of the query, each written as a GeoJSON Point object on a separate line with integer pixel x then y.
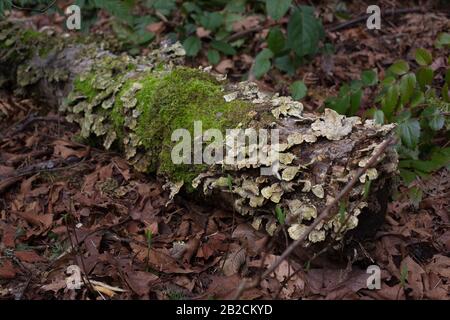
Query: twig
{"type": "Point", "coordinates": [86, 282]}
{"type": "Point", "coordinates": [244, 285]}
{"type": "Point", "coordinates": [387, 13]}
{"type": "Point", "coordinates": [22, 126]}
{"type": "Point", "coordinates": [243, 33]}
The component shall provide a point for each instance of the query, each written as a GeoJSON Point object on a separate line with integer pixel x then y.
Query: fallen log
{"type": "Point", "coordinates": [277, 162]}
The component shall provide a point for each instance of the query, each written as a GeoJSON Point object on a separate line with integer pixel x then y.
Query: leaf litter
{"type": "Point", "coordinates": [64, 203]}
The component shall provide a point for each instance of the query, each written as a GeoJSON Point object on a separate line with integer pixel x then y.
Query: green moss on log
{"type": "Point", "coordinates": [165, 100]}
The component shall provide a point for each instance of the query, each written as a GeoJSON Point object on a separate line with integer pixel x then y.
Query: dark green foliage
{"type": "Point", "coordinates": [417, 99]}
{"type": "Point", "coordinates": [286, 50]}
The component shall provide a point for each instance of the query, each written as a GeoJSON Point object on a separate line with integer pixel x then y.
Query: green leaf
{"type": "Point", "coordinates": [235, 6]}
{"type": "Point", "coordinates": [369, 77]}
{"type": "Point", "coordinates": [223, 47]}
{"type": "Point", "coordinates": [415, 195]}
{"type": "Point", "coordinates": [191, 7]}
{"type": "Point", "coordinates": [445, 93]}
{"type": "Point", "coordinates": [443, 40]}
{"type": "Point", "coordinates": [439, 158]}
{"type": "Point", "coordinates": [378, 116]}
{"type": "Point", "coordinates": [213, 56]}
{"type": "Point", "coordinates": [407, 86]}
{"type": "Point", "coordinates": [285, 64]}
{"type": "Point", "coordinates": [400, 67]}
{"type": "Point", "coordinates": [423, 57]}
{"type": "Point", "coordinates": [409, 131]}
{"type": "Point", "coordinates": [277, 8]}
{"type": "Point", "coordinates": [163, 6]}
{"type": "Point", "coordinates": [230, 19]}
{"type": "Point", "coordinates": [281, 217]}
{"type": "Point", "coordinates": [435, 119]}
{"type": "Point", "coordinates": [389, 80]}
{"type": "Point", "coordinates": [276, 40]}
{"type": "Point", "coordinates": [192, 45]}
{"type": "Point", "coordinates": [341, 103]}
{"type": "Point", "coordinates": [262, 63]}
{"type": "Point", "coordinates": [425, 77]}
{"type": "Point", "coordinates": [298, 90]}
{"type": "Point", "coordinates": [417, 99]}
{"type": "Point", "coordinates": [149, 237]}
{"type": "Point", "coordinates": [304, 32]}
{"type": "Point", "coordinates": [389, 102]}
{"type": "Point", "coordinates": [367, 185]}
{"type": "Point", "coordinates": [342, 209]}
{"type": "Point", "coordinates": [211, 20]}
{"type": "Point", "coordinates": [403, 275]}
{"type": "Point", "coordinates": [407, 176]}
{"type": "Point", "coordinates": [355, 101]}
{"type": "Point", "coordinates": [230, 183]}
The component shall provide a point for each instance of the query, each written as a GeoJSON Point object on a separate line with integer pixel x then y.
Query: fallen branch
{"type": "Point", "coordinates": [244, 285]}
{"type": "Point", "coordinates": [135, 105]}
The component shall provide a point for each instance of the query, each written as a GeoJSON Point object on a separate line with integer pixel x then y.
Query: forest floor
{"type": "Point", "coordinates": [65, 203]}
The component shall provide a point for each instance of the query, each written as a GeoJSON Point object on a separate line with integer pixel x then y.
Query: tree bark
{"type": "Point", "coordinates": [135, 104]}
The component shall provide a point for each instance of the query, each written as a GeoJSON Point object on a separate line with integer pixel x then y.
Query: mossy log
{"type": "Point", "coordinates": [135, 104]}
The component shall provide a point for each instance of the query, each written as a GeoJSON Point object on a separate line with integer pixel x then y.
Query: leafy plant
{"type": "Point", "coordinates": [149, 239]}
{"type": "Point", "coordinates": [417, 100]}
{"type": "Point", "coordinates": [298, 90]}
{"type": "Point", "coordinates": [286, 53]}
{"type": "Point", "coordinates": [349, 98]}
{"type": "Point", "coordinates": [210, 27]}
{"type": "Point", "coordinates": [281, 216]}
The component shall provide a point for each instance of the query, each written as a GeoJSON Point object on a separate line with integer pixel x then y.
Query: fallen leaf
{"type": "Point", "coordinates": [29, 256]}
{"type": "Point", "coordinates": [234, 261]}
{"type": "Point", "coordinates": [224, 66]}
{"type": "Point", "coordinates": [66, 149]}
{"type": "Point", "coordinates": [7, 270]}
{"type": "Point", "coordinates": [156, 27]}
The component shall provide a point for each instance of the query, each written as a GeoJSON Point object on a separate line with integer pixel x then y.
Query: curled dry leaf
{"type": "Point", "coordinates": [234, 261]}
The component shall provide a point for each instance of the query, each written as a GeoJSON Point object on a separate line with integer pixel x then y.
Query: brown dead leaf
{"type": "Point", "coordinates": [7, 269]}
{"type": "Point", "coordinates": [234, 261]}
{"type": "Point", "coordinates": [202, 32]}
{"type": "Point", "coordinates": [214, 245]}
{"type": "Point", "coordinates": [191, 249]}
{"type": "Point", "coordinates": [6, 171]}
{"type": "Point", "coordinates": [250, 238]}
{"type": "Point", "coordinates": [440, 265]}
{"type": "Point", "coordinates": [224, 66]}
{"type": "Point", "coordinates": [55, 285]}
{"type": "Point", "coordinates": [9, 235]}
{"type": "Point", "coordinates": [29, 256]}
{"type": "Point", "coordinates": [223, 287]}
{"type": "Point", "coordinates": [123, 167]}
{"type": "Point", "coordinates": [156, 27]}
{"type": "Point", "coordinates": [159, 260]}
{"type": "Point", "coordinates": [43, 221]}
{"type": "Point", "coordinates": [140, 282]}
{"type": "Point", "coordinates": [281, 273]}
{"type": "Point", "coordinates": [66, 149]}
{"type": "Point", "coordinates": [414, 280]}
{"type": "Point", "coordinates": [185, 282]}
{"type": "Point", "coordinates": [246, 23]}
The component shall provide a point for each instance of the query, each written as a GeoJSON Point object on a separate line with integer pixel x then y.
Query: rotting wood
{"type": "Point", "coordinates": [134, 105]}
